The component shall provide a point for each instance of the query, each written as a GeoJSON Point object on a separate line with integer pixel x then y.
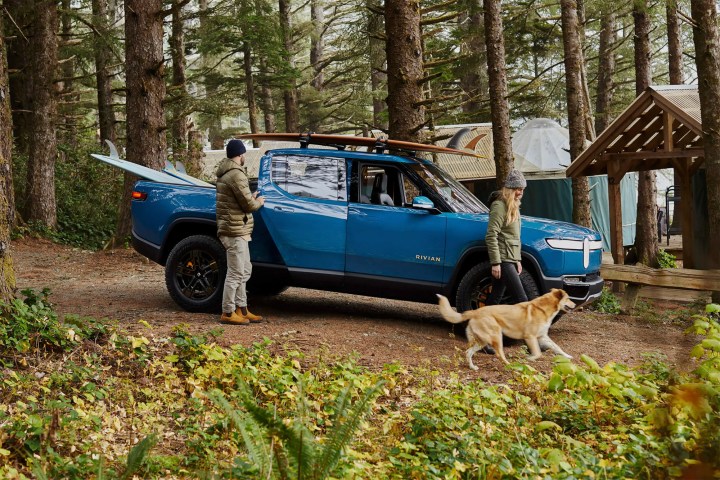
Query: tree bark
{"type": "Point", "coordinates": [497, 77]}
{"type": "Point", "coordinates": [317, 18]}
{"type": "Point", "coordinates": [19, 36]}
{"type": "Point", "coordinates": [215, 133]}
{"type": "Point", "coordinates": [40, 188]}
{"type": "Point", "coordinates": [646, 242]}
{"type": "Point", "coordinates": [405, 69]}
{"type": "Point", "coordinates": [606, 70]}
{"type": "Point", "coordinates": [676, 78]}
{"type": "Point", "coordinates": [7, 204]}
{"type": "Point", "coordinates": [577, 108]}
{"type": "Point", "coordinates": [145, 68]}
{"type": "Point", "coordinates": [707, 58]}
{"type": "Point", "coordinates": [250, 89]}
{"type": "Point", "coordinates": [179, 87]}
{"type": "Point", "coordinates": [376, 54]}
{"type": "Point", "coordinates": [290, 93]}
{"type": "Point", "coordinates": [106, 113]}
{"type": "Point", "coordinates": [473, 73]}
{"type": "Point", "coordinates": [66, 88]}
{"type": "Point", "coordinates": [268, 104]}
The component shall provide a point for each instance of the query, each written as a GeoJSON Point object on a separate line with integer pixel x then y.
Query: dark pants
{"type": "Point", "coordinates": [510, 280]}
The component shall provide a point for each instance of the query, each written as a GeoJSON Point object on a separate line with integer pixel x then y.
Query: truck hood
{"type": "Point", "coordinates": [558, 229]}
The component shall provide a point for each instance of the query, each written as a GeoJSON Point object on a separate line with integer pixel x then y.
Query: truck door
{"type": "Point", "coordinates": [385, 236]}
{"type": "Point", "coordinates": [306, 210]}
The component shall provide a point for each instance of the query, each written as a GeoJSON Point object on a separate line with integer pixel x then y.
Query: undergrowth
{"type": "Point", "coordinates": [89, 402]}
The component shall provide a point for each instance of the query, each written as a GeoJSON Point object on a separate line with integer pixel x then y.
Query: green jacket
{"type": "Point", "coordinates": [235, 202]}
{"type": "Point", "coordinates": [503, 241]}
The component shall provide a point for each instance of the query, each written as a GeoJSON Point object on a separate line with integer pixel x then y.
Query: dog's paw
{"type": "Point", "coordinates": [566, 355]}
{"type": "Point", "coordinates": [532, 358]}
{"type": "Point", "coordinates": [474, 367]}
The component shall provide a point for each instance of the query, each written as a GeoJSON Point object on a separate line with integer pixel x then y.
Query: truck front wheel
{"type": "Point", "coordinates": [195, 273]}
{"type": "Point", "coordinates": [476, 285]}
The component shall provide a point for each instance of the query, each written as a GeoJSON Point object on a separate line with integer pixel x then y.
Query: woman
{"type": "Point", "coordinates": [503, 239]}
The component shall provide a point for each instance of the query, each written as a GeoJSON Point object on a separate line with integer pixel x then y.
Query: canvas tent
{"type": "Point", "coordinates": [541, 149]}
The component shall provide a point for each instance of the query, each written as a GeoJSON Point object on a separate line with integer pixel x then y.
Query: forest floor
{"type": "Point", "coordinates": [129, 290]}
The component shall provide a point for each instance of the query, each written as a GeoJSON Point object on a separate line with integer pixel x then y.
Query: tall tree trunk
{"type": "Point", "coordinates": [606, 70]}
{"type": "Point", "coordinates": [376, 54]}
{"type": "Point", "coordinates": [497, 77]}
{"type": "Point", "coordinates": [194, 165]}
{"type": "Point", "coordinates": [7, 204]}
{"type": "Point", "coordinates": [268, 104]}
{"type": "Point", "coordinates": [106, 113]}
{"type": "Point", "coordinates": [18, 32]}
{"type": "Point", "coordinates": [290, 93]}
{"type": "Point", "coordinates": [676, 78]}
{"type": "Point", "coordinates": [317, 18]}
{"type": "Point", "coordinates": [144, 67]}
{"type": "Point", "coordinates": [66, 88]}
{"type": "Point", "coordinates": [250, 89]}
{"type": "Point", "coordinates": [40, 187]}
{"type": "Point", "coordinates": [179, 88]}
{"type": "Point", "coordinates": [707, 59]}
{"type": "Point", "coordinates": [646, 242]}
{"type": "Point", "coordinates": [473, 74]}
{"type": "Point", "coordinates": [215, 133]}
{"type": "Point", "coordinates": [405, 69]}
{"type": "Point", "coordinates": [577, 107]}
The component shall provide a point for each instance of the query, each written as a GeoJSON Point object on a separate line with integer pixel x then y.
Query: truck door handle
{"type": "Point", "coordinates": [284, 209]}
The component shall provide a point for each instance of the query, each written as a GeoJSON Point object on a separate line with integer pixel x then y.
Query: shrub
{"type": "Point", "coordinates": [607, 303]}
{"type": "Point", "coordinates": [666, 260]}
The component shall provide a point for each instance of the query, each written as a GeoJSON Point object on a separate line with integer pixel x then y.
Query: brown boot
{"type": "Point", "coordinates": [233, 318]}
{"type": "Point", "coordinates": [251, 317]}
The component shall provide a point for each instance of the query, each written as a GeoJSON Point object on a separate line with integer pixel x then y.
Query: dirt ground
{"type": "Point", "coordinates": [123, 286]}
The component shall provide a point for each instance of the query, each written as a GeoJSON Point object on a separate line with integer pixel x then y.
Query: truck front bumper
{"type": "Point", "coordinates": [582, 289]}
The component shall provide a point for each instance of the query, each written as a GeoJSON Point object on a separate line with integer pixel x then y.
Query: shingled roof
{"type": "Point", "coordinates": [660, 129]}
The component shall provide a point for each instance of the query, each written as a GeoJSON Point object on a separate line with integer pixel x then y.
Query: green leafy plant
{"type": "Point", "coordinates": [30, 325]}
{"type": "Point", "coordinates": [289, 449]}
{"type": "Point", "coordinates": [666, 259]}
{"type": "Point", "coordinates": [607, 303]}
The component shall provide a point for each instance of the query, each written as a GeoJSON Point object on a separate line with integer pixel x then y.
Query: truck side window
{"type": "Point", "coordinates": [312, 177]}
{"type": "Point", "coordinates": [378, 184]}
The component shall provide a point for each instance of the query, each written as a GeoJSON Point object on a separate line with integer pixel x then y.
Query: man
{"type": "Point", "coordinates": [235, 205]}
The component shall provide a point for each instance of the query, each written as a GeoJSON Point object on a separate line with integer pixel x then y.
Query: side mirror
{"type": "Point", "coordinates": [424, 203]}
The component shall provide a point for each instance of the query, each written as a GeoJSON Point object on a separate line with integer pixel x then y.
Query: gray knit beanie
{"type": "Point", "coordinates": [515, 179]}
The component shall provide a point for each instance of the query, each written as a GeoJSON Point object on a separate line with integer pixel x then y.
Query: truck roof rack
{"type": "Point", "coordinates": [378, 145]}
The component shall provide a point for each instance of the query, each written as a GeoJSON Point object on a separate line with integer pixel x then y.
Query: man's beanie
{"type": "Point", "coordinates": [235, 148]}
{"type": "Point", "coordinates": [515, 179]}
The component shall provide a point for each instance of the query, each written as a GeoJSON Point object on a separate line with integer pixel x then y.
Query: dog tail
{"type": "Point", "coordinates": [447, 312]}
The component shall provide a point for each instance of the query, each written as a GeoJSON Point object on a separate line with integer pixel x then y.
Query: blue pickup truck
{"type": "Point", "coordinates": [368, 223]}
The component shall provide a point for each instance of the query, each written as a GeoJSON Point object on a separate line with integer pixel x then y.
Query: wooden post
{"type": "Point", "coordinates": [615, 201]}
{"type": "Point", "coordinates": [686, 213]}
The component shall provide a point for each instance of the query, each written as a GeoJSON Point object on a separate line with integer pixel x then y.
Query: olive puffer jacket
{"type": "Point", "coordinates": [235, 202]}
{"type": "Point", "coordinates": [503, 241]}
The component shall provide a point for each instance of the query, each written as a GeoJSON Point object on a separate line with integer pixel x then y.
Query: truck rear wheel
{"type": "Point", "coordinates": [195, 273]}
{"type": "Point", "coordinates": [476, 285]}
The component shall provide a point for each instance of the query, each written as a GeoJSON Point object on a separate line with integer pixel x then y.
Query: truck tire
{"type": "Point", "coordinates": [476, 285]}
{"type": "Point", "coordinates": [195, 273]}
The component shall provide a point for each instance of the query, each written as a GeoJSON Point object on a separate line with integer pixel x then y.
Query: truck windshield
{"type": "Point", "coordinates": [460, 199]}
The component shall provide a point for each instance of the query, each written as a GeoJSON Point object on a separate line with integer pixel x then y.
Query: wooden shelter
{"type": "Point", "coordinates": [660, 129]}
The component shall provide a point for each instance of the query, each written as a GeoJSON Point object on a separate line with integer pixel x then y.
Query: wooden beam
{"type": "Point", "coordinates": [682, 278]}
{"type": "Point", "coordinates": [643, 122]}
{"type": "Point", "coordinates": [694, 152]}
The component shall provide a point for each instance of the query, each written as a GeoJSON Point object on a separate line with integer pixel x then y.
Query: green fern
{"type": "Point", "coordinates": [292, 448]}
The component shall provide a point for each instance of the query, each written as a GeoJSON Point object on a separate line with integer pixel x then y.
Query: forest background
{"type": "Point", "coordinates": [158, 76]}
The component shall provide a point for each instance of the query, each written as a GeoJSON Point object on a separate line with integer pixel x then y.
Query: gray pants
{"type": "Point", "coordinates": [239, 269]}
